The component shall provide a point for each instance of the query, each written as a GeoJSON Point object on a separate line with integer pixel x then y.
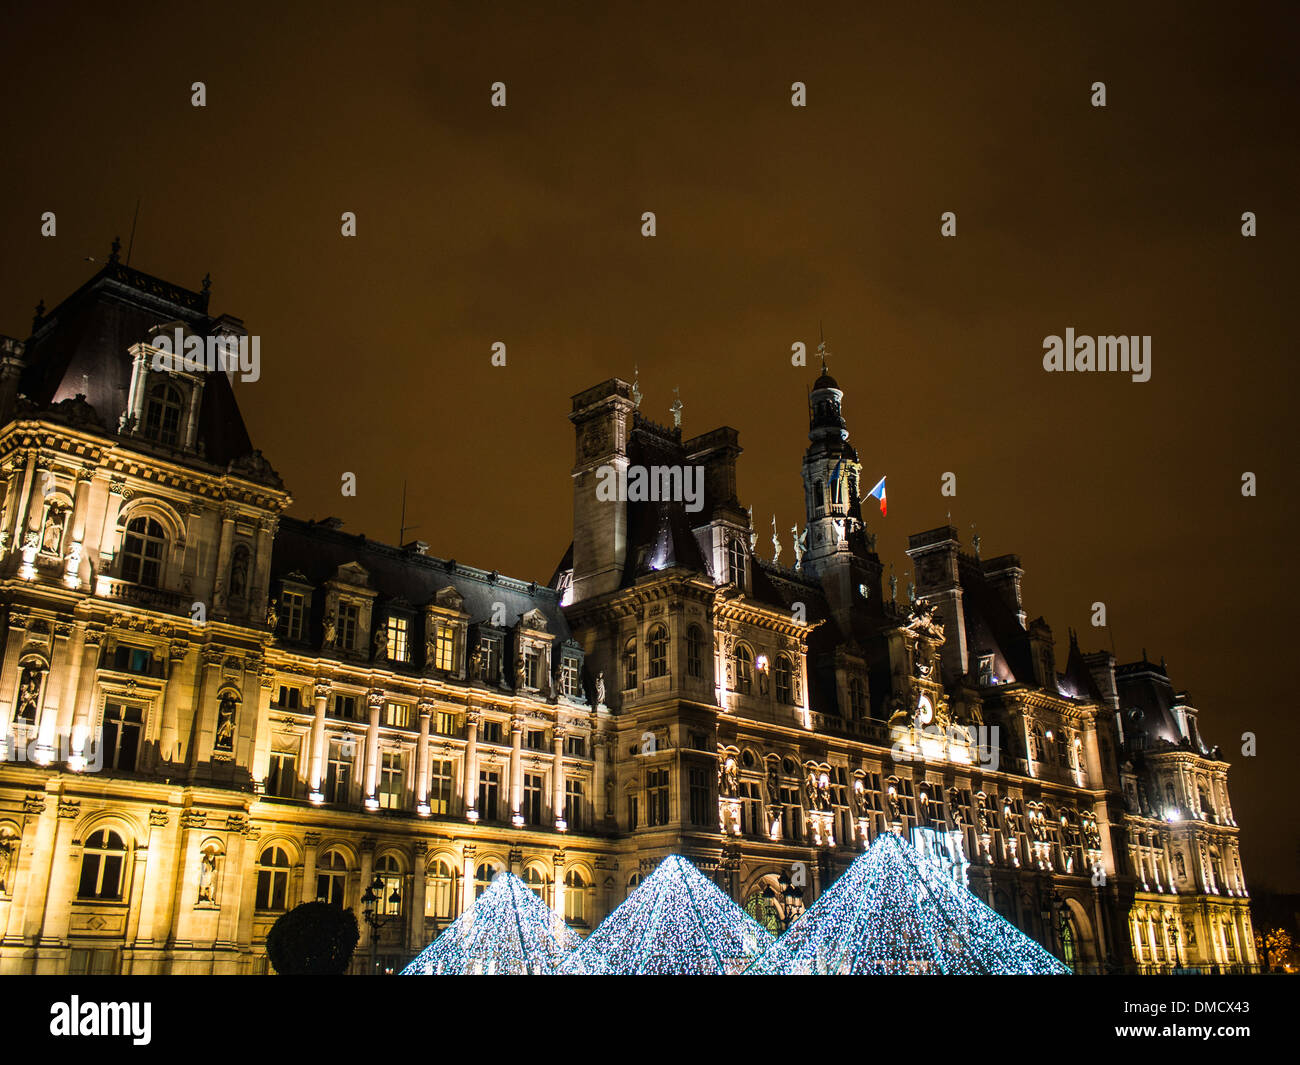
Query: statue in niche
{"type": "Point", "coordinates": [600, 688]}
{"type": "Point", "coordinates": [381, 643]}
{"type": "Point", "coordinates": [823, 792]}
{"type": "Point", "coordinates": [273, 614]}
{"type": "Point", "coordinates": [895, 811]}
{"type": "Point", "coordinates": [6, 858]}
{"type": "Point", "coordinates": [239, 572]}
{"type": "Point", "coordinates": [208, 877]}
{"type": "Point", "coordinates": [860, 805]}
{"type": "Point", "coordinates": [983, 816]}
{"type": "Point", "coordinates": [728, 784]}
{"type": "Point", "coordinates": [52, 535]}
{"type": "Point", "coordinates": [29, 694]}
{"type": "Point", "coordinates": [476, 663]}
{"type": "Point", "coordinates": [1182, 865]}
{"type": "Point", "coordinates": [225, 740]}
{"type": "Point", "coordinates": [331, 631]}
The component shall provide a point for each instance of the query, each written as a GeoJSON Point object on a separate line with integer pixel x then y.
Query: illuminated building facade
{"type": "Point", "coordinates": [210, 711]}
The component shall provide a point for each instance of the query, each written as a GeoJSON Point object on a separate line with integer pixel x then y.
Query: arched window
{"type": "Point", "coordinates": [331, 878]}
{"type": "Point", "coordinates": [273, 879]}
{"type": "Point", "coordinates": [389, 870]}
{"type": "Point", "coordinates": [142, 552]}
{"type": "Point", "coordinates": [629, 665]}
{"type": "Point", "coordinates": [736, 562]}
{"type": "Point", "coordinates": [784, 674]}
{"type": "Point", "coordinates": [576, 902]}
{"type": "Point", "coordinates": [441, 893]}
{"type": "Point", "coordinates": [744, 669]}
{"type": "Point", "coordinates": [694, 652]}
{"type": "Point", "coordinates": [1069, 941]}
{"type": "Point", "coordinates": [658, 643]}
{"type": "Point", "coordinates": [483, 877]}
{"type": "Point", "coordinates": [539, 883]}
{"type": "Point", "coordinates": [103, 861]}
{"type": "Point", "coordinates": [162, 414]}
{"type": "Point", "coordinates": [633, 882]}
{"type": "Point", "coordinates": [857, 699]}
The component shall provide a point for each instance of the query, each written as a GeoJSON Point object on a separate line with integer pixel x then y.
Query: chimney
{"type": "Point", "coordinates": [1003, 575]}
{"type": "Point", "coordinates": [601, 419]}
{"type": "Point", "coordinates": [934, 562]}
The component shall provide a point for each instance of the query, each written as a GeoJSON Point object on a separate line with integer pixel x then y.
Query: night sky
{"type": "Point", "coordinates": [523, 225]}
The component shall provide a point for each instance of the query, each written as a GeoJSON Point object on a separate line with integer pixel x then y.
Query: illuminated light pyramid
{"type": "Point", "coordinates": [508, 931]}
{"type": "Point", "coordinates": [893, 912]}
{"type": "Point", "coordinates": [677, 922]}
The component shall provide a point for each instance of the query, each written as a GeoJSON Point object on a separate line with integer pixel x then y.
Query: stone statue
{"type": "Point", "coordinates": [331, 630]}
{"type": "Point", "coordinates": [728, 783]}
{"type": "Point", "coordinates": [476, 662]}
{"type": "Point", "coordinates": [600, 688]}
{"type": "Point", "coordinates": [381, 643]}
{"type": "Point", "coordinates": [207, 877]}
{"type": "Point", "coordinates": [239, 573]}
{"type": "Point", "coordinates": [753, 536]}
{"type": "Point", "coordinates": [776, 543]}
{"type": "Point", "coordinates": [983, 816]}
{"type": "Point", "coordinates": [273, 614]}
{"type": "Point", "coordinates": [893, 585]}
{"type": "Point", "coordinates": [824, 792]}
{"type": "Point", "coordinates": [29, 693]}
{"type": "Point", "coordinates": [521, 674]}
{"type": "Point", "coordinates": [6, 858]}
{"type": "Point", "coordinates": [677, 409]}
{"type": "Point", "coordinates": [52, 538]}
{"type": "Point", "coordinates": [225, 740]}
{"type": "Point", "coordinates": [860, 804]}
{"type": "Point", "coordinates": [636, 386]}
{"type": "Point", "coordinates": [895, 812]}
{"type": "Point", "coordinates": [798, 545]}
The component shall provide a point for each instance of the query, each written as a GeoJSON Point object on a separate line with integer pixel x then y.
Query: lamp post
{"type": "Point", "coordinates": [371, 903]}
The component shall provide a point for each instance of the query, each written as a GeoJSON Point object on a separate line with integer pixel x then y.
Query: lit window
{"type": "Point", "coordinates": [538, 883]}
{"type": "Point", "coordinates": [445, 648]}
{"type": "Point", "coordinates": [440, 891]}
{"type": "Point", "coordinates": [399, 644]}
{"type": "Point", "coordinates": [629, 665]}
{"type": "Point", "coordinates": [338, 771]}
{"type": "Point", "coordinates": [736, 562]}
{"type": "Point", "coordinates": [744, 670]}
{"type": "Point", "coordinates": [440, 784]}
{"type": "Point", "coordinates": [390, 780]}
{"type": "Point", "coordinates": [397, 715]}
{"type": "Point", "coordinates": [576, 890]}
{"type": "Point", "coordinates": [102, 863]}
{"type": "Point", "coordinates": [483, 877]}
{"type": "Point", "coordinates": [162, 415]}
{"type": "Point", "coordinates": [573, 805]}
{"type": "Point", "coordinates": [569, 677]}
{"type": "Point", "coordinates": [142, 552]}
{"type": "Point", "coordinates": [282, 774]}
{"type": "Point", "coordinates": [389, 871]}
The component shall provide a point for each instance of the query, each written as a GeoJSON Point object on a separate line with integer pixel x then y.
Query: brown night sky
{"type": "Point", "coordinates": [523, 225]}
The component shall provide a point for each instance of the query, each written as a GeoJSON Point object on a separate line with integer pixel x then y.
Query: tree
{"type": "Point", "coordinates": [1273, 947]}
{"type": "Point", "coordinates": [314, 939]}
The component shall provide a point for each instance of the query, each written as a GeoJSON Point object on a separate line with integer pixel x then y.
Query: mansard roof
{"type": "Point", "coordinates": [81, 348]}
{"type": "Point", "coordinates": [1146, 701]}
{"type": "Point", "coordinates": [992, 626]}
{"type": "Point", "coordinates": [659, 533]}
{"type": "Point", "coordinates": [316, 550]}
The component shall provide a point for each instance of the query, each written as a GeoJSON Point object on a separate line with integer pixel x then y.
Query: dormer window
{"type": "Point", "coordinates": [349, 623]}
{"type": "Point", "coordinates": [444, 652]}
{"type": "Point", "coordinates": [736, 562]}
{"type": "Point", "coordinates": [162, 414]}
{"type": "Point", "coordinates": [569, 677]}
{"type": "Point", "coordinates": [399, 643]}
{"type": "Point", "coordinates": [142, 552]}
{"type": "Point", "coordinates": [292, 612]}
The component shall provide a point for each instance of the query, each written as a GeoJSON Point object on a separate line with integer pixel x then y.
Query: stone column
{"type": "Point", "coordinates": [168, 749]}
{"type": "Point", "coordinates": [472, 718]}
{"type": "Point", "coordinates": [311, 841]}
{"type": "Point", "coordinates": [108, 532]}
{"type": "Point", "coordinates": [317, 756]}
{"type": "Point", "coordinates": [557, 778]}
{"type": "Point", "coordinates": [516, 771]}
{"type": "Point", "coordinates": [557, 875]}
{"type": "Point", "coordinates": [248, 887]}
{"type": "Point", "coordinates": [375, 701]}
{"type": "Point", "coordinates": [416, 942]}
{"type": "Point", "coordinates": [600, 796]}
{"type": "Point", "coordinates": [425, 709]}
{"type": "Point", "coordinates": [258, 586]}
{"type": "Point", "coordinates": [155, 884]}
{"type": "Point", "coordinates": [63, 871]}
{"type": "Point", "coordinates": [467, 878]}
{"type": "Point", "coordinates": [225, 545]}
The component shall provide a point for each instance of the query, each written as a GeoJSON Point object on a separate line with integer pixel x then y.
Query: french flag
{"type": "Point", "coordinates": [879, 493]}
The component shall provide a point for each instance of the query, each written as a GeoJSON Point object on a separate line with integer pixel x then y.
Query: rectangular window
{"type": "Point", "coordinates": [532, 668]}
{"type": "Point", "coordinates": [657, 797]}
{"type": "Point", "coordinates": [489, 793]}
{"type": "Point", "coordinates": [532, 810]}
{"type": "Point", "coordinates": [536, 740]}
{"type": "Point", "coordinates": [633, 812]}
{"type": "Point", "coordinates": [92, 963]}
{"type": "Point", "coordinates": [491, 732]}
{"type": "Point", "coordinates": [569, 677]}
{"type": "Point", "coordinates": [575, 746]}
{"type": "Point", "coordinates": [338, 771]}
{"type": "Point", "coordinates": [446, 723]}
{"type": "Point", "coordinates": [390, 780]}
{"type": "Point", "coordinates": [282, 774]}
{"type": "Point", "coordinates": [345, 706]}
{"type": "Point", "coordinates": [289, 698]}
{"type": "Point", "coordinates": [121, 738]}
{"type": "Point", "coordinates": [751, 810]}
{"type": "Point", "coordinates": [573, 805]}
{"type": "Point", "coordinates": [490, 660]}
{"type": "Point", "coordinates": [445, 647]}
{"type": "Point", "coordinates": [349, 623]}
{"type": "Point", "coordinates": [293, 608]}
{"type": "Point", "coordinates": [791, 816]}
{"type": "Point", "coordinates": [440, 784]}
{"type": "Point", "coordinates": [399, 639]}
{"type": "Point", "coordinates": [703, 812]}
{"type": "Point", "coordinates": [397, 715]}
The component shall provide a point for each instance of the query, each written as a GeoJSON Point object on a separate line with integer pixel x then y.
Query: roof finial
{"type": "Point", "coordinates": [636, 385]}
{"type": "Point", "coordinates": [117, 247]}
{"type": "Point", "coordinates": [822, 350]}
{"type": "Point", "coordinates": [677, 409]}
{"type": "Point", "coordinates": [207, 281]}
{"type": "Point", "coordinates": [39, 315]}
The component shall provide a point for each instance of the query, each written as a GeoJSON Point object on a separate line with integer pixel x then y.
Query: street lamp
{"type": "Point", "coordinates": [371, 903]}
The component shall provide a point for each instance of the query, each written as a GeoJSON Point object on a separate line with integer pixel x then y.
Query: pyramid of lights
{"type": "Point", "coordinates": [894, 912]}
{"type": "Point", "coordinates": [677, 922]}
{"type": "Point", "coordinates": [508, 931]}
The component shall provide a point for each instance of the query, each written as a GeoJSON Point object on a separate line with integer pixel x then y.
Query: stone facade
{"type": "Point", "coordinates": [210, 711]}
